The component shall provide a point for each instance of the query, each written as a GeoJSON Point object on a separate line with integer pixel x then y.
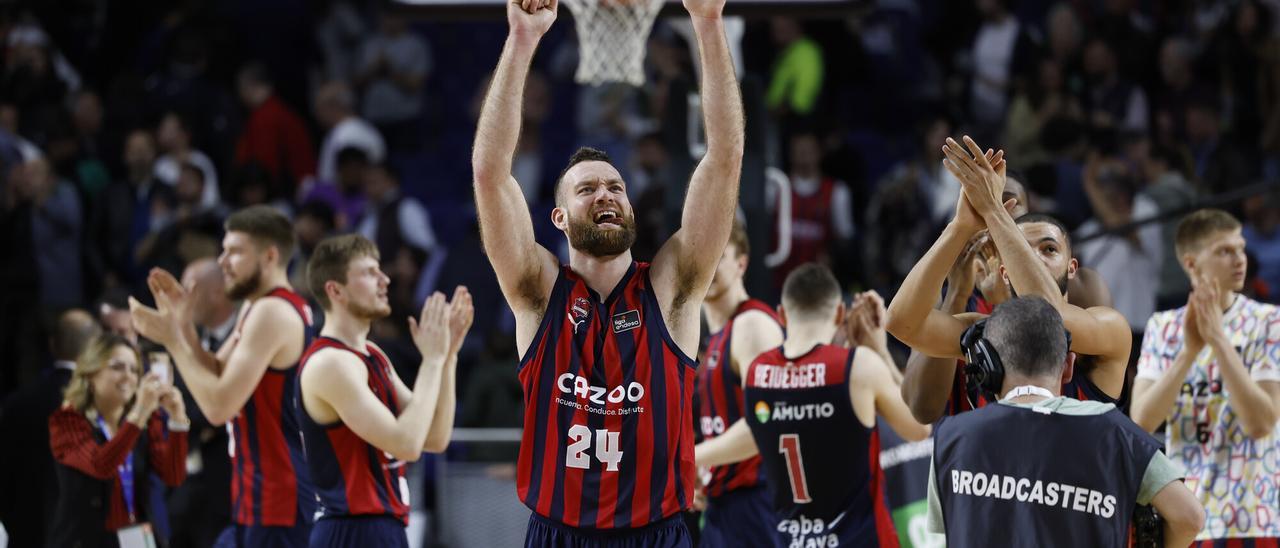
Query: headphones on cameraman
{"type": "Point", "coordinates": [983, 367]}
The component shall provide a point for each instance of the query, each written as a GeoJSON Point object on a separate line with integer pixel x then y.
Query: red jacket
{"type": "Point", "coordinates": [277, 139]}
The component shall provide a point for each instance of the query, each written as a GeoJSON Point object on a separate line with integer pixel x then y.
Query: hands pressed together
{"type": "Point", "coordinates": [982, 176]}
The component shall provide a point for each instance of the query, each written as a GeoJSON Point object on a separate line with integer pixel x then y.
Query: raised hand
{"type": "Point", "coordinates": [981, 174]}
{"type": "Point", "coordinates": [157, 325]}
{"type": "Point", "coordinates": [870, 318]}
{"type": "Point", "coordinates": [431, 332]}
{"type": "Point", "coordinates": [1208, 316]}
{"type": "Point", "coordinates": [171, 402]}
{"type": "Point", "coordinates": [461, 314]}
{"type": "Point", "coordinates": [170, 295]}
{"type": "Point", "coordinates": [148, 396]}
{"type": "Point", "coordinates": [707, 9]}
{"type": "Point", "coordinates": [531, 17]}
{"type": "Point", "coordinates": [1191, 339]}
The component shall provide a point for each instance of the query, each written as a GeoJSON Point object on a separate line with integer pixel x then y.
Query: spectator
{"type": "Point", "coordinates": [1065, 39]}
{"type": "Point", "coordinates": [821, 210]}
{"type": "Point", "coordinates": [338, 34]}
{"type": "Point", "coordinates": [174, 137]}
{"type": "Point", "coordinates": [1248, 51]}
{"type": "Point", "coordinates": [1262, 232]}
{"type": "Point", "coordinates": [393, 220]}
{"type": "Point", "coordinates": [315, 221]}
{"type": "Point", "coordinates": [1164, 169]}
{"type": "Point", "coordinates": [274, 137]}
{"type": "Point", "coordinates": [57, 225]}
{"type": "Point", "coordinates": [1218, 166]}
{"type": "Point", "coordinates": [1176, 90]}
{"type": "Point", "coordinates": [27, 468]}
{"type": "Point", "coordinates": [1042, 101]}
{"type": "Point", "coordinates": [902, 216]}
{"type": "Point", "coordinates": [1112, 101]}
{"type": "Point", "coordinates": [1128, 260]}
{"type": "Point", "coordinates": [112, 311]}
{"type": "Point", "coordinates": [345, 193]}
{"type": "Point", "coordinates": [797, 76]}
{"type": "Point", "coordinates": [394, 64]}
{"type": "Point", "coordinates": [996, 48]}
{"type": "Point", "coordinates": [335, 111]}
{"type": "Point", "coordinates": [104, 456]}
{"type": "Point", "coordinates": [91, 142]}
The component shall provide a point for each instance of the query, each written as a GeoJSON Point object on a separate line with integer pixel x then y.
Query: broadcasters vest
{"type": "Point", "coordinates": [1053, 479]}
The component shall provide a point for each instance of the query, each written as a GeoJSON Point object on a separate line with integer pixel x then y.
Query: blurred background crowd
{"type": "Point", "coordinates": [129, 130]}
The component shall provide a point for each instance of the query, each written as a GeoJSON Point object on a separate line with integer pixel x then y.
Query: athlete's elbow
{"type": "Point", "coordinates": [408, 453]}
{"type": "Point", "coordinates": [916, 432]}
{"type": "Point", "coordinates": [218, 416]}
{"type": "Point", "coordinates": [436, 445]}
{"type": "Point", "coordinates": [1186, 522]}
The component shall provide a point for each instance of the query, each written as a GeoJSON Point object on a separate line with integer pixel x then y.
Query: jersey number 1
{"type": "Point", "coordinates": [607, 448]}
{"type": "Point", "coordinates": [789, 446]}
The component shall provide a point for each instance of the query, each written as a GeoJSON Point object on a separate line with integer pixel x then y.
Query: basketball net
{"type": "Point", "coordinates": [611, 38]}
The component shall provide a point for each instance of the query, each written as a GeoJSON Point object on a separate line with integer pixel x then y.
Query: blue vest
{"type": "Point", "coordinates": [1052, 479]}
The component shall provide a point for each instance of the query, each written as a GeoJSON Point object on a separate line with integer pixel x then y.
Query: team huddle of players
{"type": "Point", "coordinates": [624, 430]}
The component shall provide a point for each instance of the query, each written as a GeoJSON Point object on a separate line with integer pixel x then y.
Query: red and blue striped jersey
{"type": "Point", "coordinates": [608, 422]}
{"type": "Point", "coordinates": [351, 476]}
{"type": "Point", "coordinates": [268, 486]}
{"type": "Point", "coordinates": [719, 398]}
{"type": "Point", "coordinates": [823, 463]}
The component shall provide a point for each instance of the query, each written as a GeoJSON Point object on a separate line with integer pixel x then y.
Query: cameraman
{"type": "Point", "coordinates": [1041, 469]}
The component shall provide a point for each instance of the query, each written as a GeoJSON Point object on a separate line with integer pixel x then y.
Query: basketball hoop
{"type": "Point", "coordinates": [611, 38]}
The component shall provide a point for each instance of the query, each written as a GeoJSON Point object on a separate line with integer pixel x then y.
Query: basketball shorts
{"type": "Point", "coordinates": [667, 533]}
{"type": "Point", "coordinates": [358, 532]}
{"type": "Point", "coordinates": [739, 518]}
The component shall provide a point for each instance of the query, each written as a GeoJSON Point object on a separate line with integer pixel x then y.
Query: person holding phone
{"type": "Point", "coordinates": [107, 439]}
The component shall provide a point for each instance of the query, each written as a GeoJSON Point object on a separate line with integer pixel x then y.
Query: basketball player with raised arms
{"type": "Point", "coordinates": [1035, 255]}
{"type": "Point", "coordinates": [249, 382]}
{"type": "Point", "coordinates": [605, 341]}
{"type": "Point", "coordinates": [813, 423]}
{"type": "Point", "coordinates": [360, 423]}
{"type": "Point", "coordinates": [738, 512]}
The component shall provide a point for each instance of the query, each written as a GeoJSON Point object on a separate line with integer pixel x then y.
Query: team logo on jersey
{"type": "Point", "coordinates": [713, 359]}
{"type": "Point", "coordinates": [579, 311]}
{"type": "Point", "coordinates": [762, 412]}
{"type": "Point", "coordinates": [626, 321]}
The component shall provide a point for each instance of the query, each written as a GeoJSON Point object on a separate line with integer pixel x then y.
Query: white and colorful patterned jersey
{"type": "Point", "coordinates": [1235, 477]}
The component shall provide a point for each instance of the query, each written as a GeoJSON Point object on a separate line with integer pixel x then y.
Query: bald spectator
{"type": "Point", "coordinates": [212, 312]}
{"type": "Point", "coordinates": [27, 467]}
{"type": "Point", "coordinates": [335, 109]}
{"type": "Point", "coordinates": [274, 136]}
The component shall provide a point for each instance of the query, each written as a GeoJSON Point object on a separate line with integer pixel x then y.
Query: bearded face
{"type": "Point", "coordinates": [606, 233]}
{"type": "Point", "coordinates": [242, 288]}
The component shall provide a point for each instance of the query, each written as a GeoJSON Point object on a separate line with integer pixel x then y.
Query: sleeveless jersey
{"type": "Point", "coordinates": [1076, 485]}
{"type": "Point", "coordinates": [811, 226]}
{"type": "Point", "coordinates": [608, 422]}
{"type": "Point", "coordinates": [351, 476]}
{"type": "Point", "coordinates": [823, 464]}
{"type": "Point", "coordinates": [719, 399]}
{"type": "Point", "coordinates": [268, 485]}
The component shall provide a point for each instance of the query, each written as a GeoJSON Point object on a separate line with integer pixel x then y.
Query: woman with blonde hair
{"type": "Point", "coordinates": [107, 439]}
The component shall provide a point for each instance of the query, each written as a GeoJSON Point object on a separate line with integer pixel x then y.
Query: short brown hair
{"type": "Point", "coordinates": [810, 289]}
{"type": "Point", "coordinates": [267, 226]}
{"type": "Point", "coordinates": [330, 260]}
{"type": "Point", "coordinates": [1198, 226]}
{"type": "Point", "coordinates": [583, 154]}
{"type": "Point", "coordinates": [739, 240]}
